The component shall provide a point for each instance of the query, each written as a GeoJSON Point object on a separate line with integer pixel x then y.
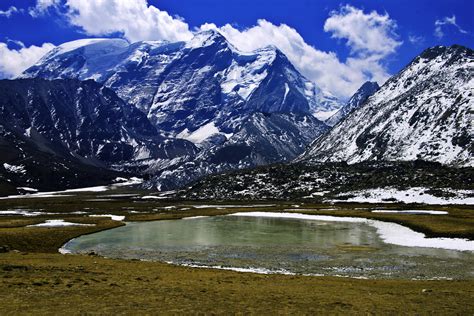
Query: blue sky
{"type": "Point", "coordinates": [355, 40]}
{"type": "Point", "coordinates": [413, 17]}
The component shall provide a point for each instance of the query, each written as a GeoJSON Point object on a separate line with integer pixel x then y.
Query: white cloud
{"type": "Point", "coordinates": [42, 7]}
{"type": "Point", "coordinates": [371, 39]}
{"type": "Point", "coordinates": [135, 19]}
{"type": "Point", "coordinates": [324, 68]}
{"type": "Point", "coordinates": [9, 12]}
{"type": "Point", "coordinates": [415, 39]}
{"type": "Point", "coordinates": [439, 24]}
{"type": "Point", "coordinates": [14, 61]}
{"type": "Point", "coordinates": [366, 33]}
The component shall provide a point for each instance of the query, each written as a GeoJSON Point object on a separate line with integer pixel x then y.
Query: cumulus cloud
{"type": "Point", "coordinates": [14, 61]}
{"type": "Point", "coordinates": [135, 19]}
{"type": "Point", "coordinates": [42, 7]}
{"type": "Point", "coordinates": [439, 24]}
{"type": "Point", "coordinates": [371, 39]}
{"type": "Point", "coordinates": [366, 33]}
{"type": "Point", "coordinates": [324, 68]}
{"type": "Point", "coordinates": [9, 12]}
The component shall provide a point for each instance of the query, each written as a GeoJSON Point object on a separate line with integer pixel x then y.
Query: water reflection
{"type": "Point", "coordinates": [300, 246]}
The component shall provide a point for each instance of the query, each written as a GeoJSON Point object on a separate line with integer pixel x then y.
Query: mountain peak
{"type": "Point", "coordinates": [207, 38]}
{"type": "Point", "coordinates": [210, 33]}
{"type": "Point", "coordinates": [420, 113]}
{"type": "Point", "coordinates": [86, 42]}
{"type": "Point", "coordinates": [361, 95]}
{"type": "Point", "coordinates": [435, 51]}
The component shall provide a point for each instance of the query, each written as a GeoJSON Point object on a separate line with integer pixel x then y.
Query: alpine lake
{"type": "Point", "coordinates": [276, 245]}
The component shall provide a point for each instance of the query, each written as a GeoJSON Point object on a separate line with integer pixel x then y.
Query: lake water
{"type": "Point", "coordinates": [276, 245]}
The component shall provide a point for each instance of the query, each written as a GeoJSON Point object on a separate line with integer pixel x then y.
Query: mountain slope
{"type": "Point", "coordinates": [184, 86]}
{"type": "Point", "coordinates": [364, 92]}
{"type": "Point", "coordinates": [203, 91]}
{"type": "Point", "coordinates": [25, 168]}
{"type": "Point", "coordinates": [424, 112]}
{"type": "Point", "coordinates": [82, 119]}
{"type": "Point", "coordinates": [336, 181]}
{"type": "Point", "coordinates": [263, 139]}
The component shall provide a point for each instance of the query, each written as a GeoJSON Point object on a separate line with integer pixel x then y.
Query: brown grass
{"type": "Point", "coordinates": [44, 282]}
{"type": "Point", "coordinates": [71, 284]}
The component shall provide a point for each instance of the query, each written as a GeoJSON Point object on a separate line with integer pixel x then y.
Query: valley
{"type": "Point", "coordinates": [34, 271]}
{"type": "Point", "coordinates": [235, 169]}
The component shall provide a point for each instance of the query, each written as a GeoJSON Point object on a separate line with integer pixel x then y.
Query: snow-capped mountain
{"type": "Point", "coordinates": [184, 86]}
{"type": "Point", "coordinates": [364, 92]}
{"type": "Point", "coordinates": [424, 112]}
{"type": "Point", "coordinates": [253, 106]}
{"type": "Point", "coordinates": [82, 119]}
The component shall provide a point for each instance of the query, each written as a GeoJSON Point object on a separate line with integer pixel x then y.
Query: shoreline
{"type": "Point", "coordinates": [385, 230]}
{"type": "Point", "coordinates": [39, 279]}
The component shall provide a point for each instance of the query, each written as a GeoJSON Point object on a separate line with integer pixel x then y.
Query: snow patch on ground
{"type": "Point", "coordinates": [314, 194]}
{"type": "Point", "coordinates": [64, 251]}
{"type": "Point", "coordinates": [27, 189]}
{"type": "Point", "coordinates": [246, 270]}
{"type": "Point", "coordinates": [413, 212]}
{"type": "Point", "coordinates": [102, 188]}
{"type": "Point", "coordinates": [58, 223]}
{"type": "Point", "coordinates": [233, 206]}
{"type": "Point", "coordinates": [23, 212]}
{"type": "Point", "coordinates": [412, 195]}
{"type": "Point", "coordinates": [390, 233]}
{"type": "Point", "coordinates": [36, 195]}
{"type": "Point", "coordinates": [153, 197]}
{"type": "Point", "coordinates": [128, 182]}
{"type": "Point", "coordinates": [118, 218]}
{"type": "Point", "coordinates": [195, 217]}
